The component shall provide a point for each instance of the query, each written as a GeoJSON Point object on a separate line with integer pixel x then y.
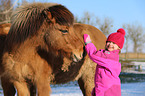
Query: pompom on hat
{"type": "Point", "coordinates": [117, 37]}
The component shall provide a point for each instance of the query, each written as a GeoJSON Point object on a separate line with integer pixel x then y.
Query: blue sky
{"type": "Point", "coordinates": [120, 11]}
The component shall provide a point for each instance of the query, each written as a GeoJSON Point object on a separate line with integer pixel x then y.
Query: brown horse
{"type": "Point", "coordinates": [4, 29]}
{"type": "Point", "coordinates": [44, 46]}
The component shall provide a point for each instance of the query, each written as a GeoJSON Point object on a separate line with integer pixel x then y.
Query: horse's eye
{"type": "Point", "coordinates": [64, 31]}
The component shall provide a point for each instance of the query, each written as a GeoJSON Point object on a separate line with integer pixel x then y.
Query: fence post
{"type": "Point", "coordinates": [139, 67]}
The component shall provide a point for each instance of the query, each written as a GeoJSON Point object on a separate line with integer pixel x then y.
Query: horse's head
{"type": "Point", "coordinates": [47, 22]}
{"type": "Point", "coordinates": [60, 36]}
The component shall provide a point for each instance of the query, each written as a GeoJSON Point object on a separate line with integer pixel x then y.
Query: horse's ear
{"type": "Point", "coordinates": [48, 16]}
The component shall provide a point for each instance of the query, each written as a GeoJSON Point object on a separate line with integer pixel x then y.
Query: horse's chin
{"type": "Point", "coordinates": [77, 58]}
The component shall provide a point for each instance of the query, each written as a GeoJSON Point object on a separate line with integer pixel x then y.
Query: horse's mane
{"type": "Point", "coordinates": [26, 20]}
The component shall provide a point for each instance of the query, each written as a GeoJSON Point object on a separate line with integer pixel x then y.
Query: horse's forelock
{"type": "Point", "coordinates": [62, 15]}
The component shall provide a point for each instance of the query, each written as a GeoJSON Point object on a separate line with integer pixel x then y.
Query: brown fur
{"type": "Point", "coordinates": [4, 29]}
{"type": "Point", "coordinates": [44, 46]}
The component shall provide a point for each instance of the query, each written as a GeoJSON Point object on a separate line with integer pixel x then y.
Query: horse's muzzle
{"type": "Point", "coordinates": [78, 55]}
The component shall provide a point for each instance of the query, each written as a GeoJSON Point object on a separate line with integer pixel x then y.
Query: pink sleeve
{"type": "Point", "coordinates": [107, 63]}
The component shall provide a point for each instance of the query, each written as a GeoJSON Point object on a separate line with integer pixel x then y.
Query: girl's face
{"type": "Point", "coordinates": [111, 46]}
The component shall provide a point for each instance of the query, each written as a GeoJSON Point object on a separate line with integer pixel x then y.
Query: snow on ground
{"type": "Point", "coordinates": [127, 89]}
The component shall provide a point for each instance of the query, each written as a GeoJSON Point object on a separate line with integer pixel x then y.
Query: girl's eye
{"type": "Point", "coordinates": [64, 31]}
{"type": "Point", "coordinates": [108, 42]}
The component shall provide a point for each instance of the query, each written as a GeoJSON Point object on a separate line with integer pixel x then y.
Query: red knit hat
{"type": "Point", "coordinates": [117, 37]}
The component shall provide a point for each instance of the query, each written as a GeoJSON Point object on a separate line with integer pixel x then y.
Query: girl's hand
{"type": "Point", "coordinates": [87, 39]}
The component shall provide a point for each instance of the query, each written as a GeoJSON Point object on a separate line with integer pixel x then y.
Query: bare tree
{"type": "Point", "coordinates": [22, 2]}
{"type": "Point", "coordinates": [135, 34]}
{"type": "Point", "coordinates": [105, 25]}
{"type": "Point", "coordinates": [5, 13]}
{"type": "Point", "coordinates": [87, 18]}
{"type": "Point", "coordinates": [126, 40]}
{"type": "Point", "coordinates": [77, 20]}
{"type": "Point", "coordinates": [7, 7]}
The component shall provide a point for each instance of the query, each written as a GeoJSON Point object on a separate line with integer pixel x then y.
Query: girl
{"type": "Point", "coordinates": [107, 81]}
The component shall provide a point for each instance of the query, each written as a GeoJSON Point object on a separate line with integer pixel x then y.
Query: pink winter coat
{"type": "Point", "coordinates": [107, 81]}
